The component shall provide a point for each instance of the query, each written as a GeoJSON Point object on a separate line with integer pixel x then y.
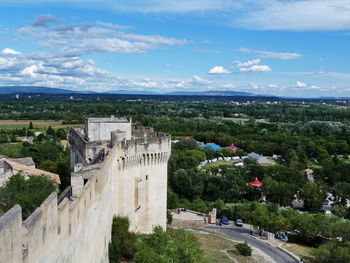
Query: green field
{"type": "Point", "coordinates": [37, 124]}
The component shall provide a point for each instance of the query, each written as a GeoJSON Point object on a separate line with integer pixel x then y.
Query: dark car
{"type": "Point", "coordinates": [282, 237]}
{"type": "Point", "coordinates": [224, 220]}
{"type": "Point", "coordinates": [239, 222]}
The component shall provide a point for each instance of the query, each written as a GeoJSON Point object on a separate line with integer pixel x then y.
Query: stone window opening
{"type": "Point", "coordinates": [138, 185]}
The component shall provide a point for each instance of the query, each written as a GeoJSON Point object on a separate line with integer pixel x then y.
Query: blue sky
{"type": "Point", "coordinates": [277, 47]}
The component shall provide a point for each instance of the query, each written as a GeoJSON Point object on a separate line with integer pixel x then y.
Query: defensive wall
{"type": "Point", "coordinates": [129, 180]}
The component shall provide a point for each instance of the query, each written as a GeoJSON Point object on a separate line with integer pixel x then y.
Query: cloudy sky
{"type": "Point", "coordinates": [277, 47]}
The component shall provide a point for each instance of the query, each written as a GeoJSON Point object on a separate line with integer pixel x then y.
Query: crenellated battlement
{"type": "Point", "coordinates": [128, 179]}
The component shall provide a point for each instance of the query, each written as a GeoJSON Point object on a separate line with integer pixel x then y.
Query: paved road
{"type": "Point", "coordinates": [239, 233]}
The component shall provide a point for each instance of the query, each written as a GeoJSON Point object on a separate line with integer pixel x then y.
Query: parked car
{"type": "Point", "coordinates": [281, 236]}
{"type": "Point", "coordinates": [224, 220]}
{"type": "Point", "coordinates": [239, 222]}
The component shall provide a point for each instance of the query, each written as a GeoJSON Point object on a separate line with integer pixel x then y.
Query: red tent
{"type": "Point", "coordinates": [256, 183]}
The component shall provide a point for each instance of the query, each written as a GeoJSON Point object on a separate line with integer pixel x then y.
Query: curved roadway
{"type": "Point", "coordinates": [242, 234]}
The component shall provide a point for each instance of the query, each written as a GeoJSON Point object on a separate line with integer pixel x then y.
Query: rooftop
{"type": "Point", "coordinates": [260, 159]}
{"type": "Point", "coordinates": [31, 171]}
{"type": "Point", "coordinates": [108, 120]}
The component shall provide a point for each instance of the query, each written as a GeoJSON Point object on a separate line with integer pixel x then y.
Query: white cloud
{"type": "Point", "coordinates": [193, 83]}
{"type": "Point", "coordinates": [253, 66]}
{"type": "Point", "coordinates": [64, 65]}
{"type": "Point", "coordinates": [198, 80]}
{"type": "Point", "coordinates": [54, 70]}
{"type": "Point", "coordinates": [10, 51]}
{"type": "Point", "coordinates": [272, 86]}
{"type": "Point", "coordinates": [256, 68]}
{"type": "Point", "coordinates": [77, 40]}
{"type": "Point", "coordinates": [30, 71]}
{"type": "Point", "coordinates": [302, 15]}
{"type": "Point", "coordinates": [228, 86]}
{"type": "Point", "coordinates": [218, 70]}
{"type": "Point", "coordinates": [269, 54]}
{"type": "Point", "coordinates": [249, 63]}
{"type": "Point", "coordinates": [301, 84]}
{"type": "Point", "coordinates": [305, 87]}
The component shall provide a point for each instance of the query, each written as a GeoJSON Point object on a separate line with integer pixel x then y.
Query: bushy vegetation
{"type": "Point", "coordinates": [177, 246]}
{"type": "Point", "coordinates": [28, 193]}
{"type": "Point", "coordinates": [334, 252]}
{"type": "Point", "coordinates": [244, 249]}
{"type": "Point", "coordinates": [123, 242]}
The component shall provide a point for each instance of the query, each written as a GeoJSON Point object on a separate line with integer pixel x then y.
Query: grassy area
{"type": "Point", "coordinates": [64, 143]}
{"type": "Point", "coordinates": [37, 124]}
{"type": "Point", "coordinates": [273, 162]}
{"type": "Point", "coordinates": [303, 252]}
{"type": "Point", "coordinates": [220, 249]}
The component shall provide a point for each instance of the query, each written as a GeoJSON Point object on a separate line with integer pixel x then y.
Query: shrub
{"type": "Point", "coordinates": [169, 217]}
{"type": "Point", "coordinates": [244, 249]}
{"type": "Point", "coordinates": [123, 243]}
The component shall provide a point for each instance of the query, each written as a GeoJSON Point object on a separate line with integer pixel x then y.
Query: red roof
{"type": "Point", "coordinates": [256, 183]}
{"type": "Point", "coordinates": [187, 138]}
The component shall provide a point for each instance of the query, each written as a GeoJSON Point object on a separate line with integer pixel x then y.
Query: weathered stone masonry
{"type": "Point", "coordinates": [123, 175]}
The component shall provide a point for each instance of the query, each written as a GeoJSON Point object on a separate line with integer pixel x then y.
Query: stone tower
{"type": "Point", "coordinates": [137, 165]}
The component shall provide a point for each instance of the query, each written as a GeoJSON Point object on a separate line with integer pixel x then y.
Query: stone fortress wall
{"type": "Point", "coordinates": [127, 177]}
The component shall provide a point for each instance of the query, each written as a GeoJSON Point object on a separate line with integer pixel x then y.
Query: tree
{"type": "Point", "coordinates": [340, 210]}
{"type": "Point", "coordinates": [50, 131]}
{"type": "Point", "coordinates": [260, 218]}
{"type": "Point", "coordinates": [312, 228]}
{"type": "Point", "coordinates": [333, 253]}
{"type": "Point", "coordinates": [172, 200]}
{"type": "Point", "coordinates": [61, 134]}
{"type": "Point", "coordinates": [342, 229]}
{"type": "Point", "coordinates": [278, 192]}
{"type": "Point", "coordinates": [29, 194]}
{"type": "Point", "coordinates": [342, 191]}
{"type": "Point", "coordinates": [313, 196]}
{"type": "Point", "coordinates": [31, 126]}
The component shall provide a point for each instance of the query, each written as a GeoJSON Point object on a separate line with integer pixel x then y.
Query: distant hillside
{"type": "Point", "coordinates": [47, 90]}
{"type": "Point", "coordinates": [33, 89]}
{"type": "Point", "coordinates": [211, 93]}
{"type": "Point", "coordinates": [130, 92]}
